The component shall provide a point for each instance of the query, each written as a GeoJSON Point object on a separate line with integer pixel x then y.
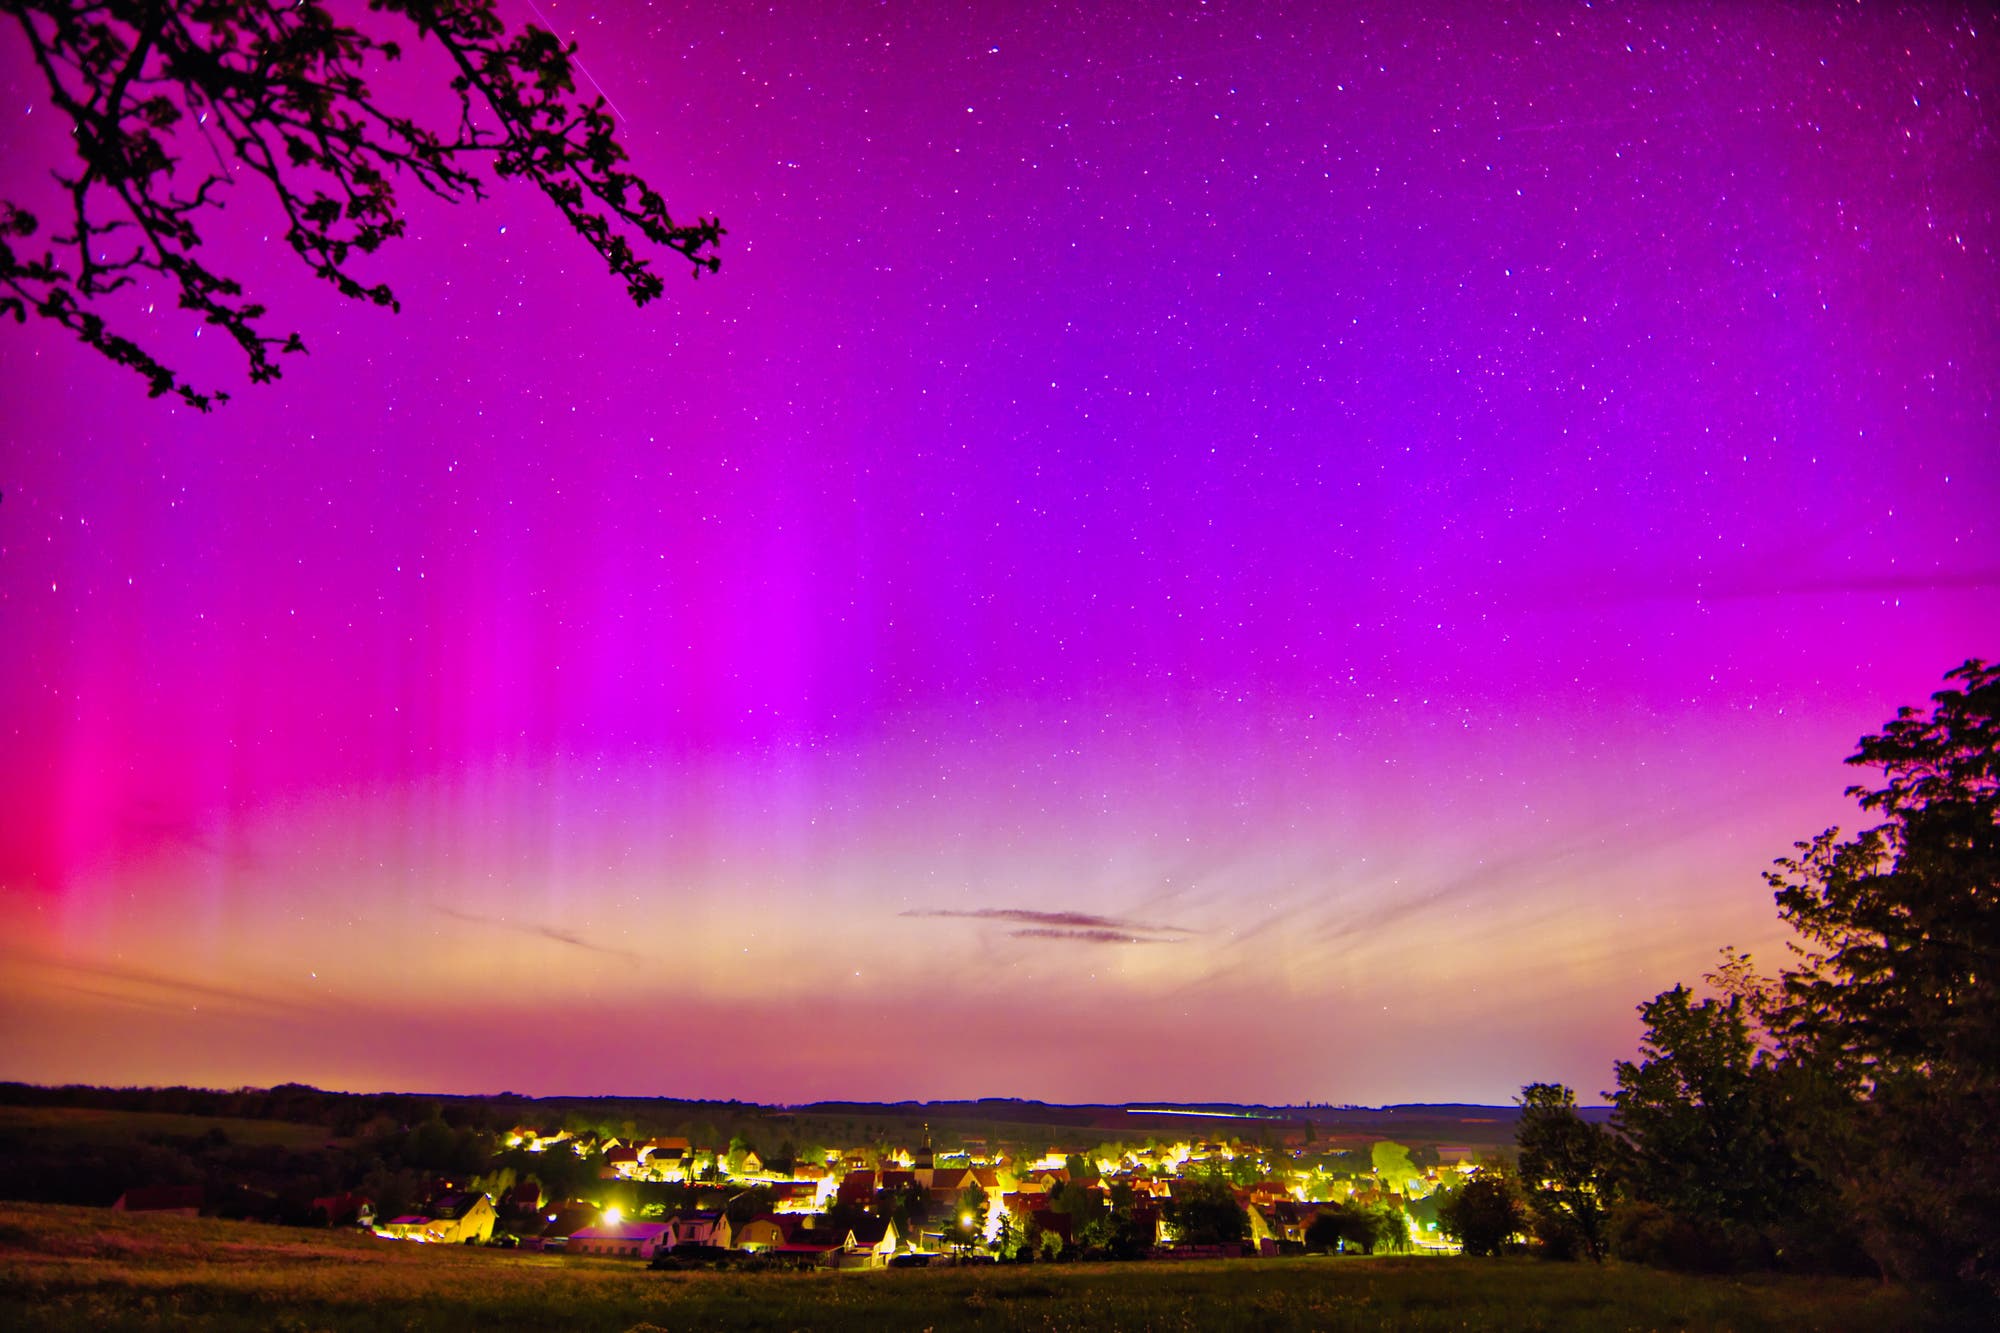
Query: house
{"type": "Point", "coordinates": [857, 1188]}
{"type": "Point", "coordinates": [449, 1219]}
{"type": "Point", "coordinates": [1289, 1219]}
{"type": "Point", "coordinates": [795, 1196]}
{"type": "Point", "coordinates": [471, 1215]}
{"type": "Point", "coordinates": [559, 1224]}
{"type": "Point", "coordinates": [692, 1228]}
{"type": "Point", "coordinates": [951, 1179]}
{"type": "Point", "coordinates": [525, 1197]}
{"type": "Point", "coordinates": [636, 1240]}
{"type": "Point", "coordinates": [345, 1210]}
{"type": "Point", "coordinates": [767, 1231]}
{"type": "Point", "coordinates": [821, 1244]}
{"type": "Point", "coordinates": [1263, 1226]}
{"type": "Point", "coordinates": [174, 1200]}
{"type": "Point", "coordinates": [666, 1164]}
{"type": "Point", "coordinates": [874, 1237]}
{"type": "Point", "coordinates": [618, 1163]}
{"type": "Point", "coordinates": [949, 1182]}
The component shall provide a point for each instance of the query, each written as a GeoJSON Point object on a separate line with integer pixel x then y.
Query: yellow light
{"type": "Point", "coordinates": [612, 1216]}
{"type": "Point", "coordinates": [965, 1219]}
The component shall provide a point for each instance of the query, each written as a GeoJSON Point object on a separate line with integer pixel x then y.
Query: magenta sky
{"type": "Point", "coordinates": [1213, 551]}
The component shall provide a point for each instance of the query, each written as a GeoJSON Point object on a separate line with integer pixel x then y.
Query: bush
{"type": "Point", "coordinates": [1645, 1233]}
{"type": "Point", "coordinates": [1556, 1237]}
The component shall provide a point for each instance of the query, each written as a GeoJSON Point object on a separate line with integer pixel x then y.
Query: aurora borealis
{"type": "Point", "coordinates": [1229, 551]}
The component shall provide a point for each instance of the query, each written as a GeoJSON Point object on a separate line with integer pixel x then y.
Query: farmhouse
{"type": "Point", "coordinates": [638, 1240]}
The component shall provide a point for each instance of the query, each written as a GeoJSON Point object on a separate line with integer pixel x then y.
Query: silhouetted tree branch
{"type": "Point", "coordinates": [278, 93]}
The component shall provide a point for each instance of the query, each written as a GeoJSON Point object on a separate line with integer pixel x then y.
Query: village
{"type": "Point", "coordinates": [670, 1202]}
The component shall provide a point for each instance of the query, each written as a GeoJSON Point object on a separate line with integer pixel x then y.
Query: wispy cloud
{"type": "Point", "coordinates": [547, 932]}
{"type": "Point", "coordinates": [1080, 927]}
{"type": "Point", "coordinates": [146, 988]}
{"type": "Point", "coordinates": [1090, 936]}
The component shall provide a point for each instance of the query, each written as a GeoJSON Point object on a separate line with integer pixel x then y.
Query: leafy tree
{"type": "Point", "coordinates": [1205, 1212]}
{"type": "Point", "coordinates": [972, 1203]}
{"type": "Point", "coordinates": [1702, 1115]}
{"type": "Point", "coordinates": [1097, 1232]}
{"type": "Point", "coordinates": [1484, 1213]}
{"type": "Point", "coordinates": [1326, 1232]}
{"type": "Point", "coordinates": [1077, 1199]}
{"type": "Point", "coordinates": [1130, 1237]}
{"type": "Point", "coordinates": [277, 93]}
{"type": "Point", "coordinates": [1563, 1166]}
{"type": "Point", "coordinates": [1895, 1002]}
{"type": "Point", "coordinates": [1392, 1164]}
{"type": "Point", "coordinates": [1392, 1228]}
{"type": "Point", "coordinates": [1352, 1226]}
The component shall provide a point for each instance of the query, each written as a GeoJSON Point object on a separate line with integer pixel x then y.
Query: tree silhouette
{"type": "Point", "coordinates": [1895, 1002]}
{"type": "Point", "coordinates": [173, 102]}
{"type": "Point", "coordinates": [1563, 1168]}
{"type": "Point", "coordinates": [1484, 1214]}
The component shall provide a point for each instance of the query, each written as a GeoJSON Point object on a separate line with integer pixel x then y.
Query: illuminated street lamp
{"type": "Point", "coordinates": [965, 1221]}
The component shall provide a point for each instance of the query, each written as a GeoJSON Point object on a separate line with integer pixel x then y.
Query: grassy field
{"type": "Point", "coordinates": [76, 1268]}
{"type": "Point", "coordinates": [71, 1124]}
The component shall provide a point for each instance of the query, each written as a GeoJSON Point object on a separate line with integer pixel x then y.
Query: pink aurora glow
{"type": "Point", "coordinates": [1413, 511]}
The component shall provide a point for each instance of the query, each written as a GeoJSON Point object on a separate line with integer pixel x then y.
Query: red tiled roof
{"type": "Point", "coordinates": [858, 1187]}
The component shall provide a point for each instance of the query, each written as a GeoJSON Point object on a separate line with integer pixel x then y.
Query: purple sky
{"type": "Point", "coordinates": [1211, 551]}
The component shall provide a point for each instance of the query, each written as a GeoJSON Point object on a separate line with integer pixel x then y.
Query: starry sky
{"type": "Point", "coordinates": [1208, 551]}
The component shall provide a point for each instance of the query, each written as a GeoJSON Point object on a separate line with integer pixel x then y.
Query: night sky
{"type": "Point", "coordinates": [1225, 551]}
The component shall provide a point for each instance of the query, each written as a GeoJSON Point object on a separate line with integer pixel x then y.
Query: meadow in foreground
{"type": "Point", "coordinates": [79, 1268]}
